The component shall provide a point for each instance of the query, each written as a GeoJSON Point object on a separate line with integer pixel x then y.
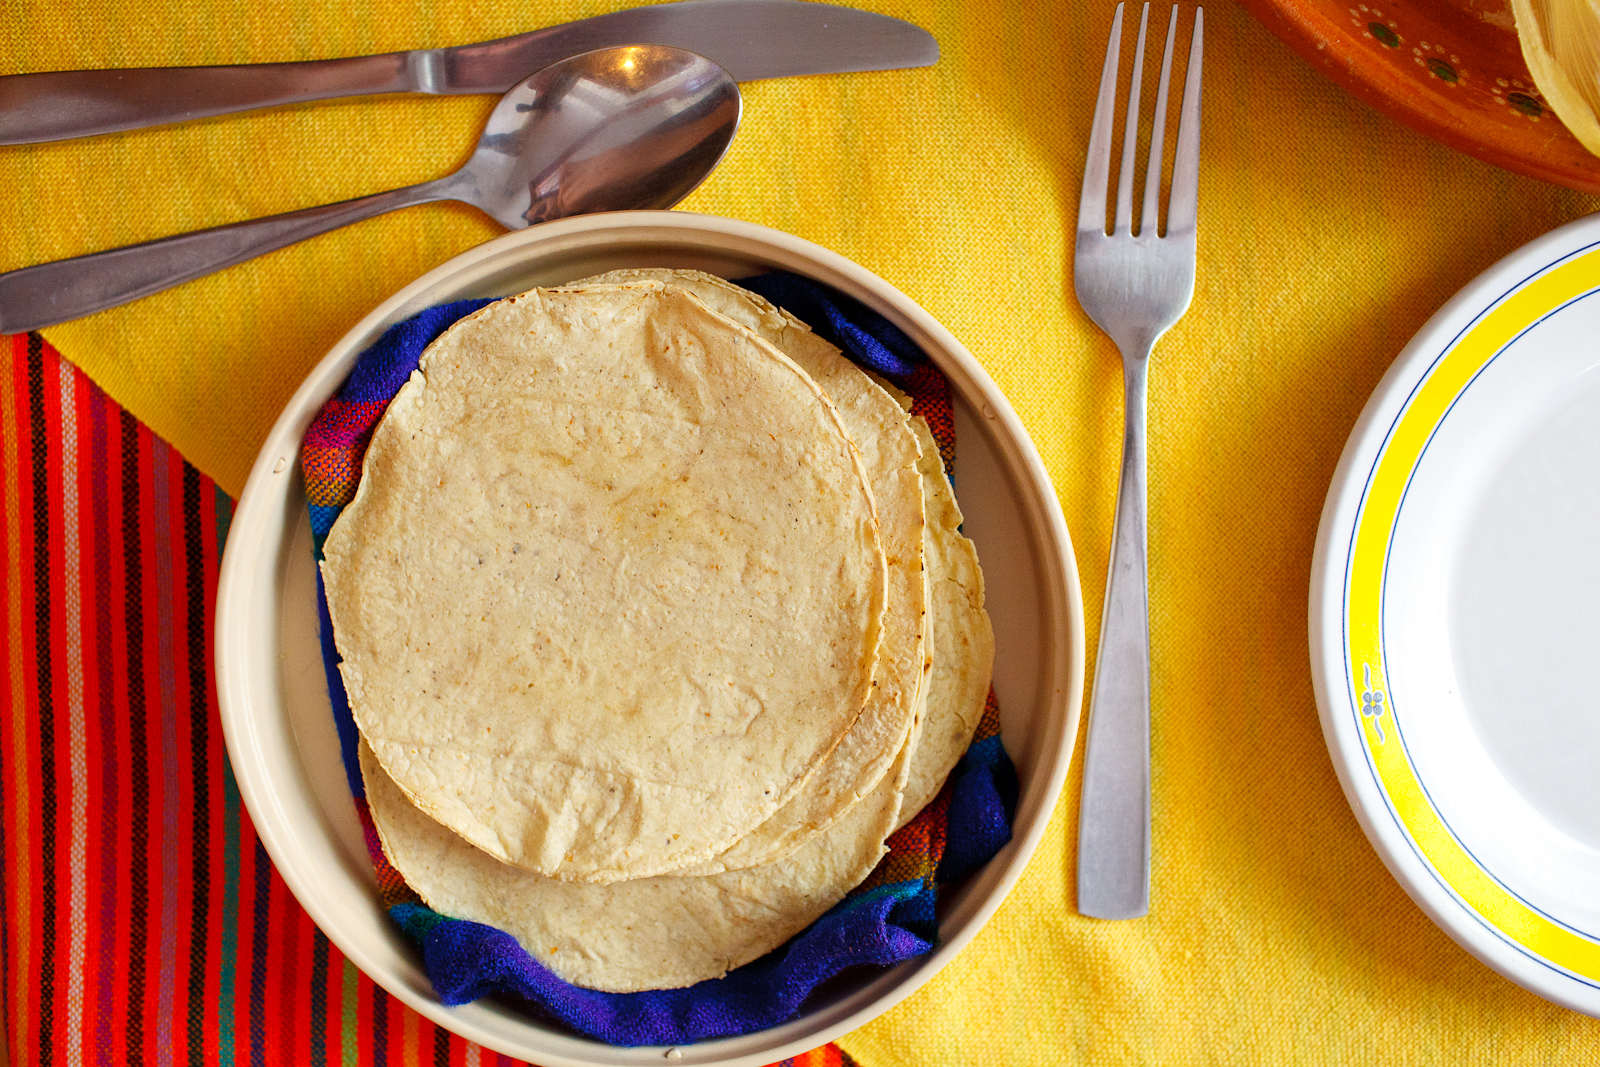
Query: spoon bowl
{"type": "Point", "coordinates": [614, 129]}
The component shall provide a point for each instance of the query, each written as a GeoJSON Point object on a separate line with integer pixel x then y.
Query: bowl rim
{"type": "Point", "coordinates": [1061, 668]}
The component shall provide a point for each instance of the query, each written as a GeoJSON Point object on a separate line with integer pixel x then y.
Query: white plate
{"type": "Point", "coordinates": [1455, 617]}
{"type": "Point", "coordinates": [274, 701]}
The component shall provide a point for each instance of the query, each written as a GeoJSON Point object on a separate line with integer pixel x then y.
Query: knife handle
{"type": "Point", "coordinates": [57, 105]}
{"type": "Point", "coordinates": [49, 293]}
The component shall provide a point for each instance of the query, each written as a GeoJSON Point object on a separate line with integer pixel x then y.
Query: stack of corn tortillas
{"type": "Point", "coordinates": [655, 622]}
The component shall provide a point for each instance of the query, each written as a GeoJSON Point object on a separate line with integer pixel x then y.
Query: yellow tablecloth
{"type": "Point", "coordinates": [1328, 235]}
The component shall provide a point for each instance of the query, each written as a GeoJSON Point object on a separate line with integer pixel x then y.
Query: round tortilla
{"type": "Point", "coordinates": [611, 586]}
{"type": "Point", "coordinates": [651, 933]}
{"type": "Point", "coordinates": [890, 452]}
{"type": "Point", "coordinates": [959, 633]}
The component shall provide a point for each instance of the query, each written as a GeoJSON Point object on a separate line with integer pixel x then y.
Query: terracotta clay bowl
{"type": "Point", "coordinates": [1449, 69]}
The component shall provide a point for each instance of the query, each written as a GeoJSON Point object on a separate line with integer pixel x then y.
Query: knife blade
{"type": "Point", "coordinates": [750, 39]}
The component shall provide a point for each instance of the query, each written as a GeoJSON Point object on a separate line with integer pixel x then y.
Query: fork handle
{"type": "Point", "coordinates": [1114, 818]}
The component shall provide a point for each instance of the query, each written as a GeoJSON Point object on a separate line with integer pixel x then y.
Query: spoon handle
{"type": "Point", "coordinates": [49, 293]}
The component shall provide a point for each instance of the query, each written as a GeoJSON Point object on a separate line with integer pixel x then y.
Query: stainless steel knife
{"type": "Point", "coordinates": [750, 39]}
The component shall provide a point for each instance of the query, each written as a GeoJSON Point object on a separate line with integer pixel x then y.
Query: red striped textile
{"type": "Point", "coordinates": [826, 1056]}
{"type": "Point", "coordinates": [144, 923]}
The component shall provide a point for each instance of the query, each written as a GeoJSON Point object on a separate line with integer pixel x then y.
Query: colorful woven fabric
{"type": "Point", "coordinates": [826, 1056]}
{"type": "Point", "coordinates": [887, 919]}
{"type": "Point", "coordinates": [334, 444]}
{"type": "Point", "coordinates": [145, 924]}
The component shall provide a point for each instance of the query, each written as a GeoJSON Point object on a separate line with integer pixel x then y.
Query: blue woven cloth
{"type": "Point", "coordinates": [861, 333]}
{"type": "Point", "coordinates": [889, 919]}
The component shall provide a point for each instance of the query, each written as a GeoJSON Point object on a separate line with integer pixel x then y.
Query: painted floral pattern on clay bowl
{"type": "Point", "coordinates": [1449, 69]}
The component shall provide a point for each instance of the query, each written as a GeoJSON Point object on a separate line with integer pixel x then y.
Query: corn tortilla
{"type": "Point", "coordinates": [611, 587]}
{"type": "Point", "coordinates": [959, 633]}
{"type": "Point", "coordinates": [890, 452]}
{"type": "Point", "coordinates": [650, 933]}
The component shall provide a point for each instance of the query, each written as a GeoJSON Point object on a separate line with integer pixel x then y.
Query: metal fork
{"type": "Point", "coordinates": [1134, 286]}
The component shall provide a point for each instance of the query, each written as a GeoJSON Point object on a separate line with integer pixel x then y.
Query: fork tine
{"type": "Point", "coordinates": [1158, 131]}
{"type": "Point", "coordinates": [1097, 167]}
{"type": "Point", "coordinates": [1130, 134]}
{"type": "Point", "coordinates": [1186, 158]}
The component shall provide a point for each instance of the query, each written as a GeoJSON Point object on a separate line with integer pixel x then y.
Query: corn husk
{"type": "Point", "coordinates": [1561, 44]}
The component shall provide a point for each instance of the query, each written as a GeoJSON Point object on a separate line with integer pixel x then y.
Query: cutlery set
{"type": "Point", "coordinates": [563, 163]}
{"type": "Point", "coordinates": [632, 127]}
{"type": "Point", "coordinates": [750, 39]}
{"type": "Point", "coordinates": [633, 110]}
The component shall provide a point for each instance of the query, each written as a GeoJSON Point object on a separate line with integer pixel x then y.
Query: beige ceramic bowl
{"type": "Point", "coordinates": [275, 710]}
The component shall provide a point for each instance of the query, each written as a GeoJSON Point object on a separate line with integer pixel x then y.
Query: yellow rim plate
{"type": "Point", "coordinates": [1380, 720]}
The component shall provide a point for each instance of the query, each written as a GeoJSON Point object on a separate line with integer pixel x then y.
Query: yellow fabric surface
{"type": "Point", "coordinates": [1328, 236]}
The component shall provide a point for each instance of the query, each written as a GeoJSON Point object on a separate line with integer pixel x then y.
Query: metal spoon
{"type": "Point", "coordinates": [633, 127]}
